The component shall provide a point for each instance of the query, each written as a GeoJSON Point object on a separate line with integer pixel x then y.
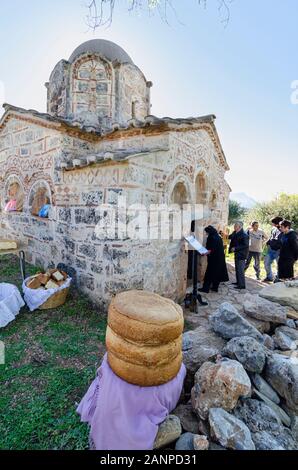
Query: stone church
{"type": "Point", "coordinates": [98, 141]}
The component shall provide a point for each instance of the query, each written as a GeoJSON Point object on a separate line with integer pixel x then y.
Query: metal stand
{"type": "Point", "coordinates": [22, 264]}
{"type": "Point", "coordinates": [195, 297]}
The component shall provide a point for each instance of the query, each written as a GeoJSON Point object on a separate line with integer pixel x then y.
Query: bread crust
{"type": "Point", "coordinates": [142, 354]}
{"type": "Point", "coordinates": [144, 376]}
{"type": "Point", "coordinates": [141, 332]}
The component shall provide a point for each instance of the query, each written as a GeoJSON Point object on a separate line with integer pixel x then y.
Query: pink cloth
{"type": "Point", "coordinates": [124, 416]}
{"type": "Point", "coordinates": [11, 206]}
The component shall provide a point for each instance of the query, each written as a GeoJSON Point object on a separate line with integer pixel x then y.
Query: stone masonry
{"type": "Point", "coordinates": [98, 142]}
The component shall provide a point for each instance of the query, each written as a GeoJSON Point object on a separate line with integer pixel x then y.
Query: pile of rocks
{"type": "Point", "coordinates": [241, 390]}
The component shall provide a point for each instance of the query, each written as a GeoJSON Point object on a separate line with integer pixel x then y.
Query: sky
{"type": "Point", "coordinates": [241, 72]}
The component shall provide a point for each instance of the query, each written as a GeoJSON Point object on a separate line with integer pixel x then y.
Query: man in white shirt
{"type": "Point", "coordinates": [257, 238]}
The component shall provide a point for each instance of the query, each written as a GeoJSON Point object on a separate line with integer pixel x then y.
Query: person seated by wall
{"type": "Point", "coordinates": [41, 206]}
{"type": "Point", "coordinates": [216, 269]}
{"type": "Point", "coordinates": [288, 251]}
{"type": "Point", "coordinates": [15, 201]}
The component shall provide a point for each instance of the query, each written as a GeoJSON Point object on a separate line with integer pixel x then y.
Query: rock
{"type": "Point", "coordinates": [286, 440]}
{"type": "Point", "coordinates": [204, 428]}
{"type": "Point", "coordinates": [248, 352]}
{"type": "Point", "coordinates": [228, 323]}
{"type": "Point", "coordinates": [262, 309]}
{"type": "Point", "coordinates": [229, 431]}
{"type": "Point", "coordinates": [291, 324]}
{"type": "Point", "coordinates": [199, 346]}
{"type": "Point", "coordinates": [282, 294]}
{"type": "Point", "coordinates": [263, 387]}
{"type": "Point", "coordinates": [169, 431]}
{"type": "Point", "coordinates": [282, 373]}
{"type": "Point", "coordinates": [188, 419]}
{"type": "Point", "coordinates": [265, 441]}
{"type": "Point", "coordinates": [257, 416]}
{"type": "Point", "coordinates": [294, 427]}
{"type": "Point", "coordinates": [282, 415]}
{"type": "Point", "coordinates": [286, 338]}
{"type": "Point", "coordinates": [261, 326]}
{"type": "Point", "coordinates": [200, 443]}
{"type": "Point", "coordinates": [268, 342]}
{"type": "Point", "coordinates": [213, 446]}
{"type": "Point", "coordinates": [185, 442]}
{"type": "Point", "coordinates": [219, 386]}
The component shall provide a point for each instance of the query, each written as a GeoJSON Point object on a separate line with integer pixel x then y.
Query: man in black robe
{"type": "Point", "coordinates": [288, 251]}
{"type": "Point", "coordinates": [217, 269]}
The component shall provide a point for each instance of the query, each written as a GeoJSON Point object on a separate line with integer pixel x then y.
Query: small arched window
{"type": "Point", "coordinates": [179, 195]}
{"type": "Point", "coordinates": [14, 196]}
{"type": "Point", "coordinates": [213, 200]}
{"type": "Point", "coordinates": [40, 200]}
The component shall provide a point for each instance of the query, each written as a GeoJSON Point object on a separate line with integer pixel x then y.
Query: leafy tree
{"type": "Point", "coordinates": [236, 211]}
{"type": "Point", "coordinates": [284, 205]}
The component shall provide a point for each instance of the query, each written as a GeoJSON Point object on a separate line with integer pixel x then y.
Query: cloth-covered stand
{"type": "Point", "coordinates": [123, 416]}
{"type": "Point", "coordinates": [11, 303]}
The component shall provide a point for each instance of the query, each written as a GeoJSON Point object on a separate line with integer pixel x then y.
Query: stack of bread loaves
{"type": "Point", "coordinates": [144, 338]}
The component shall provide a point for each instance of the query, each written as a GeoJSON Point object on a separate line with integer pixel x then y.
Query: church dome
{"type": "Point", "coordinates": [104, 48]}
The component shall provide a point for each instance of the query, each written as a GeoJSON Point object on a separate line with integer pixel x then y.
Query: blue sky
{"type": "Point", "coordinates": [241, 73]}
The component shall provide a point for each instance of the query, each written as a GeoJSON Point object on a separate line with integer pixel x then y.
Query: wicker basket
{"type": "Point", "coordinates": [56, 300]}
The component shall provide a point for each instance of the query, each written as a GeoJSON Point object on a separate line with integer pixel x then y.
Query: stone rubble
{"type": "Point", "coordinates": [245, 391]}
{"type": "Point", "coordinates": [262, 309]}
{"type": "Point", "coordinates": [283, 293]}
{"type": "Point", "coordinates": [200, 443]}
{"type": "Point", "coordinates": [229, 431]}
{"type": "Point", "coordinates": [229, 324]}
{"type": "Point", "coordinates": [219, 386]}
{"type": "Point", "coordinates": [248, 352]}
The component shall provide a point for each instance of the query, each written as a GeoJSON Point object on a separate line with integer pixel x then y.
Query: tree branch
{"type": "Point", "coordinates": [101, 12]}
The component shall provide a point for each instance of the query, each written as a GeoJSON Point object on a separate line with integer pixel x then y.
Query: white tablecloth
{"type": "Point", "coordinates": [11, 303]}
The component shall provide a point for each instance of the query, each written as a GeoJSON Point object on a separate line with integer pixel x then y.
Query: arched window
{"type": "Point", "coordinates": [92, 88]}
{"type": "Point", "coordinates": [14, 198]}
{"type": "Point", "coordinates": [179, 195]}
{"type": "Point", "coordinates": [213, 200]}
{"type": "Point", "coordinates": [40, 200]}
{"type": "Point", "coordinates": [201, 189]}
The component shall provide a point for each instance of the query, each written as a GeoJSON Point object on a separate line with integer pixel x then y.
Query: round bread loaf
{"type": "Point", "coordinates": [142, 354]}
{"type": "Point", "coordinates": [145, 317]}
{"type": "Point", "coordinates": [145, 376]}
{"type": "Point", "coordinates": [144, 338]}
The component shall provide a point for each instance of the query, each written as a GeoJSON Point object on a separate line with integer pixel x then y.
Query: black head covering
{"type": "Point", "coordinates": [211, 230]}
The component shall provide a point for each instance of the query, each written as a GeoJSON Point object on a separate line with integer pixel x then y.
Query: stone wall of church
{"type": "Point", "coordinates": [104, 265]}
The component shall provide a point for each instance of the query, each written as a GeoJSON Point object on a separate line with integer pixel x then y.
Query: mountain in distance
{"type": "Point", "coordinates": [244, 200]}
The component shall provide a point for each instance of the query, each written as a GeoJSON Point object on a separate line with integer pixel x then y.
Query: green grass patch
{"type": "Point", "coordinates": [51, 359]}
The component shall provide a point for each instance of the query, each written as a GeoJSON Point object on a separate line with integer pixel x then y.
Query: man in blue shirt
{"type": "Point", "coordinates": [273, 248]}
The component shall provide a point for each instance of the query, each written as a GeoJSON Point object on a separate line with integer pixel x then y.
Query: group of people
{"type": "Point", "coordinates": [282, 247]}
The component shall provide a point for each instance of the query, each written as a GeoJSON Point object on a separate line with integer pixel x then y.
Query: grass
{"type": "Point", "coordinates": [51, 359]}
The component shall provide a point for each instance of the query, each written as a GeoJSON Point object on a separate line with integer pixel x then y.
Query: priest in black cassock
{"type": "Point", "coordinates": [217, 269]}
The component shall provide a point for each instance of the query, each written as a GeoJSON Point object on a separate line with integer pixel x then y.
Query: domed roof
{"type": "Point", "coordinates": [107, 49]}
